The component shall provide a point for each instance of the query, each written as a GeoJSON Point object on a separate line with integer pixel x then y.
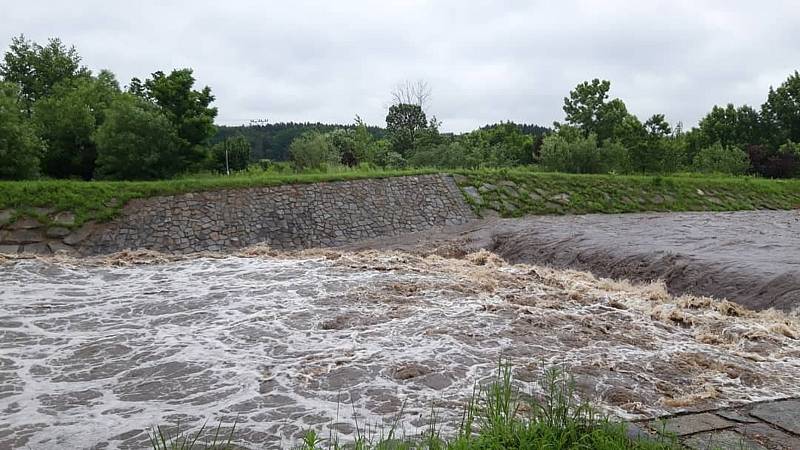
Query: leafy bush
{"type": "Point", "coordinates": [313, 151]}
{"type": "Point", "coordinates": [20, 148]}
{"type": "Point", "coordinates": [567, 152]}
{"type": "Point", "coordinates": [659, 155]}
{"type": "Point", "coordinates": [720, 159]}
{"type": "Point", "coordinates": [137, 142]}
{"type": "Point", "coordinates": [781, 163]}
{"type": "Point", "coordinates": [67, 121]}
{"type": "Point", "coordinates": [450, 155]}
{"type": "Point", "coordinates": [614, 157]}
{"type": "Point", "coordinates": [395, 160]}
{"type": "Point", "coordinates": [562, 155]}
{"type": "Point", "coordinates": [238, 154]}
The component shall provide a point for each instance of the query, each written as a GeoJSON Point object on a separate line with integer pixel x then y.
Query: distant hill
{"type": "Point", "coordinates": [527, 128]}
{"type": "Point", "coordinates": [272, 140]}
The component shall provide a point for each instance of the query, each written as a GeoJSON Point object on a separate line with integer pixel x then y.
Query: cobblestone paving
{"type": "Point", "coordinates": [770, 425]}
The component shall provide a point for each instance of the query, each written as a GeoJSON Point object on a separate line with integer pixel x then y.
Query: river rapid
{"type": "Point", "coordinates": [95, 352]}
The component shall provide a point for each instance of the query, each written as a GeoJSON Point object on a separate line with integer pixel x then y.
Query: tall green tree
{"type": "Point", "coordinates": [652, 146]}
{"type": "Point", "coordinates": [67, 121]}
{"type": "Point", "coordinates": [657, 126]}
{"type": "Point", "coordinates": [187, 109]}
{"type": "Point", "coordinates": [781, 111]}
{"type": "Point", "coordinates": [37, 69]}
{"type": "Point", "coordinates": [137, 142]}
{"type": "Point", "coordinates": [406, 124]}
{"type": "Point", "coordinates": [20, 148]}
{"type": "Point", "coordinates": [730, 126]}
{"type": "Point", "coordinates": [588, 109]}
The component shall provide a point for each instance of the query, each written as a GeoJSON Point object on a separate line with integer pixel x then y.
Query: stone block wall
{"type": "Point", "coordinates": [285, 217]}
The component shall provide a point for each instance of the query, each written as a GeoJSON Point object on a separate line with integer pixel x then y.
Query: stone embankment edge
{"type": "Point", "coordinates": [292, 216]}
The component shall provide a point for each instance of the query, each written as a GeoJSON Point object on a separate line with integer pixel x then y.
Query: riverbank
{"type": "Point", "coordinates": [505, 193]}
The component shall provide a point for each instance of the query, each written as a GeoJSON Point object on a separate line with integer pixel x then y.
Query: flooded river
{"type": "Point", "coordinates": [95, 352]}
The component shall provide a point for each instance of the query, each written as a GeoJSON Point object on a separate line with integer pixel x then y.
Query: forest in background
{"type": "Point", "coordinates": [272, 140]}
{"type": "Point", "coordinates": [59, 120]}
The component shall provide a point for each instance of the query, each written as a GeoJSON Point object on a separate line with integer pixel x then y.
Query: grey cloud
{"type": "Point", "coordinates": [486, 60]}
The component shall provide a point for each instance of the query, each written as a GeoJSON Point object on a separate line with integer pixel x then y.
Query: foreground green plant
{"type": "Point", "coordinates": [498, 416]}
{"type": "Point", "coordinates": [162, 439]}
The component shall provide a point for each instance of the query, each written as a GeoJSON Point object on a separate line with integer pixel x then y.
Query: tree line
{"type": "Point", "coordinates": [271, 140]}
{"type": "Point", "coordinates": [600, 135]}
{"type": "Point", "coordinates": [60, 120]}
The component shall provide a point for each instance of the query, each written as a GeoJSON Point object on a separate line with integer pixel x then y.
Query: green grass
{"type": "Point", "coordinates": [514, 193]}
{"type": "Point", "coordinates": [531, 192]}
{"type": "Point", "coordinates": [103, 200]}
{"type": "Point", "coordinates": [498, 416]}
{"type": "Point", "coordinates": [161, 439]}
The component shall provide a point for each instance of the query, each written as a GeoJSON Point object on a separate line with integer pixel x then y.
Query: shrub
{"type": "Point", "coordinates": [783, 163]}
{"type": "Point", "coordinates": [720, 159]}
{"type": "Point", "coordinates": [68, 119]}
{"type": "Point", "coordinates": [20, 148]}
{"type": "Point", "coordinates": [265, 164]}
{"type": "Point", "coordinates": [395, 160]}
{"type": "Point", "coordinates": [560, 155]}
{"type": "Point", "coordinates": [449, 155]}
{"type": "Point", "coordinates": [136, 142]}
{"type": "Point", "coordinates": [614, 157]}
{"type": "Point", "coordinates": [578, 154]}
{"type": "Point", "coordinates": [313, 151]}
{"type": "Point", "coordinates": [238, 150]}
{"type": "Point", "coordinates": [658, 154]}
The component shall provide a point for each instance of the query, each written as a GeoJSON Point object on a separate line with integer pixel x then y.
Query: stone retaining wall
{"type": "Point", "coordinates": [285, 217]}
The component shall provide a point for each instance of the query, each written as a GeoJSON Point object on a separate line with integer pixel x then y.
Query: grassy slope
{"type": "Point", "coordinates": [515, 193]}
{"type": "Point", "coordinates": [530, 193]}
{"type": "Point", "coordinates": [102, 200]}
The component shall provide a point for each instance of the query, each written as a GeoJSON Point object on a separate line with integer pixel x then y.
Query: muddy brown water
{"type": "Point", "coordinates": [95, 352]}
{"type": "Point", "coordinates": [750, 257]}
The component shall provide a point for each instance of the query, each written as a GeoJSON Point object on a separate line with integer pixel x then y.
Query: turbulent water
{"type": "Point", "coordinates": [95, 352]}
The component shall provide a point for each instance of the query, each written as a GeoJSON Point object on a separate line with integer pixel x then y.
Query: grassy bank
{"type": "Point", "coordinates": [508, 193]}
{"type": "Point", "coordinates": [103, 200]}
{"type": "Point", "coordinates": [514, 193]}
{"type": "Point", "coordinates": [498, 416]}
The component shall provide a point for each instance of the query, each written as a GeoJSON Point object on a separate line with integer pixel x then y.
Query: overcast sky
{"type": "Point", "coordinates": [485, 61]}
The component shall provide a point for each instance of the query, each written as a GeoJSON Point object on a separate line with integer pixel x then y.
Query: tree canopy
{"type": "Point", "coordinates": [61, 120]}
{"type": "Point", "coordinates": [37, 69]}
{"type": "Point", "coordinates": [187, 109]}
{"type": "Point", "coordinates": [137, 142]}
{"type": "Point", "coordinates": [20, 147]}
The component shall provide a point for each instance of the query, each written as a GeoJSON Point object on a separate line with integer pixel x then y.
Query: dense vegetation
{"type": "Point", "coordinates": [600, 135]}
{"type": "Point", "coordinates": [510, 192]}
{"type": "Point", "coordinates": [60, 120]}
{"type": "Point", "coordinates": [271, 140]}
